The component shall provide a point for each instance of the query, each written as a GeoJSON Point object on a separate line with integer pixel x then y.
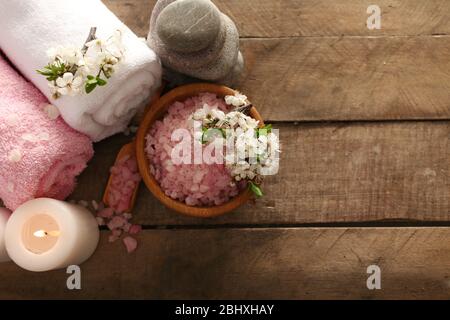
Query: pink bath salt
{"type": "Point", "coordinates": [128, 188]}
{"type": "Point", "coordinates": [100, 221]}
{"type": "Point", "coordinates": [124, 180]}
{"type": "Point", "coordinates": [127, 215]}
{"type": "Point", "coordinates": [126, 173]}
{"type": "Point", "coordinates": [135, 229]}
{"type": "Point", "coordinates": [194, 184]}
{"type": "Point", "coordinates": [125, 159]}
{"type": "Point", "coordinates": [116, 222]}
{"type": "Point", "coordinates": [136, 177]}
{"type": "Point", "coordinates": [126, 227]}
{"type": "Point", "coordinates": [198, 176]}
{"type": "Point", "coordinates": [116, 232]}
{"type": "Point", "coordinates": [106, 213]}
{"type": "Point", "coordinates": [122, 206]}
{"type": "Point", "coordinates": [114, 170]}
{"type": "Point", "coordinates": [130, 243]}
{"type": "Point", "coordinates": [132, 165]}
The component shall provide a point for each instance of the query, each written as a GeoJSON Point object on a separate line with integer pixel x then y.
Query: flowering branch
{"type": "Point", "coordinates": [90, 37]}
{"type": "Point", "coordinates": [72, 69]}
{"type": "Point", "coordinates": [257, 147]}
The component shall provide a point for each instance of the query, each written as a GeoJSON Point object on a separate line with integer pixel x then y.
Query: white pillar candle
{"type": "Point", "coordinates": [47, 234]}
{"type": "Point", "coordinates": [4, 216]}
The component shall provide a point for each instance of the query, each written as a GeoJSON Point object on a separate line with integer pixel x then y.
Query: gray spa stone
{"type": "Point", "coordinates": [212, 63]}
{"type": "Point", "coordinates": [232, 78]}
{"type": "Point", "coordinates": [224, 60]}
{"type": "Point", "coordinates": [175, 59]}
{"type": "Point", "coordinates": [219, 61]}
{"type": "Point", "coordinates": [188, 25]}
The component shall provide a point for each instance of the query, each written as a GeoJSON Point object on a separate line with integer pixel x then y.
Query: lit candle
{"type": "Point", "coordinates": [4, 215]}
{"type": "Point", "coordinates": [47, 234]}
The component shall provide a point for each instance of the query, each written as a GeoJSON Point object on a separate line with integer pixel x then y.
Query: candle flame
{"type": "Point", "coordinates": [42, 233]}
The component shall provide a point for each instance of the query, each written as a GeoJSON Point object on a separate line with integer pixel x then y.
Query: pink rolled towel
{"type": "Point", "coordinates": [40, 155]}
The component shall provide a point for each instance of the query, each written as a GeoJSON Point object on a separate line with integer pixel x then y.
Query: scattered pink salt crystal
{"type": "Point", "coordinates": [126, 227]}
{"type": "Point", "coordinates": [130, 244]}
{"type": "Point", "coordinates": [106, 213]}
{"type": "Point", "coordinates": [94, 205]}
{"type": "Point", "coordinates": [119, 225]}
{"type": "Point", "coordinates": [124, 179]}
{"type": "Point", "coordinates": [127, 215]}
{"type": "Point", "coordinates": [100, 221]}
{"type": "Point", "coordinates": [116, 222]}
{"type": "Point", "coordinates": [83, 203]}
{"type": "Point", "coordinates": [116, 232]}
{"type": "Point", "coordinates": [135, 229]}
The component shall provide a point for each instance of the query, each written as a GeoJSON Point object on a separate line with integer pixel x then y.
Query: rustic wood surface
{"type": "Point", "coordinates": [322, 63]}
{"type": "Point", "coordinates": [345, 172]}
{"type": "Point", "coordinates": [294, 18]}
{"type": "Point", "coordinates": [364, 124]}
{"type": "Point", "coordinates": [276, 263]}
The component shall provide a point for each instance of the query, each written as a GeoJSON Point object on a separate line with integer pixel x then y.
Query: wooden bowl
{"type": "Point", "coordinates": [157, 111]}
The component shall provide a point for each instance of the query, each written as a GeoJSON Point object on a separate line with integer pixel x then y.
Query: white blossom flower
{"type": "Point", "coordinates": [68, 84]}
{"type": "Point", "coordinates": [110, 48]}
{"type": "Point", "coordinates": [254, 149]}
{"type": "Point", "coordinates": [237, 100]}
{"type": "Point", "coordinates": [96, 46]}
{"type": "Point", "coordinates": [71, 69]}
{"type": "Point", "coordinates": [67, 55]}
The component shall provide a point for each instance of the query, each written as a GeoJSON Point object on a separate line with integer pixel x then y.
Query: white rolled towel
{"type": "Point", "coordinates": [28, 28]}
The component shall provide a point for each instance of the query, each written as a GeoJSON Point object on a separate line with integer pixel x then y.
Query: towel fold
{"type": "Point", "coordinates": [40, 155]}
{"type": "Point", "coordinates": [29, 28]}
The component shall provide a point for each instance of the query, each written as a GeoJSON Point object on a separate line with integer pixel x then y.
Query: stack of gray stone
{"type": "Point", "coordinates": [193, 38]}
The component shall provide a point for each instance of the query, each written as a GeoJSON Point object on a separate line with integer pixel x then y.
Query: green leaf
{"type": "Point", "coordinates": [90, 87]}
{"type": "Point", "coordinates": [204, 138]}
{"type": "Point", "coordinates": [209, 133]}
{"type": "Point", "coordinates": [101, 82]}
{"type": "Point", "coordinates": [261, 132]}
{"type": "Point", "coordinates": [44, 72]}
{"type": "Point", "coordinates": [90, 77]}
{"type": "Point", "coordinates": [268, 127]}
{"type": "Point", "coordinates": [255, 189]}
{"type": "Point", "coordinates": [52, 71]}
{"type": "Point", "coordinates": [264, 131]}
{"type": "Point", "coordinates": [91, 82]}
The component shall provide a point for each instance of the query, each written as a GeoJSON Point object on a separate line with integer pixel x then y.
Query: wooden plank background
{"type": "Point", "coordinates": [276, 263]}
{"type": "Point", "coordinates": [316, 60]}
{"type": "Point", "coordinates": [345, 172]}
{"type": "Point", "coordinates": [308, 18]}
{"type": "Point", "coordinates": [363, 117]}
